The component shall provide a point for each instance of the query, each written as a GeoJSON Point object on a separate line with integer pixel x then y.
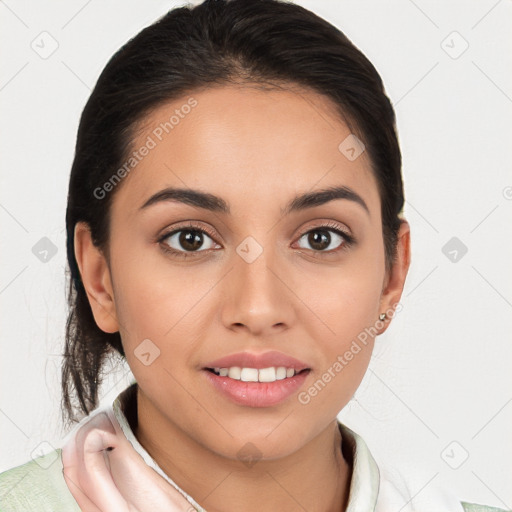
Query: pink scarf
{"type": "Point", "coordinates": [104, 473]}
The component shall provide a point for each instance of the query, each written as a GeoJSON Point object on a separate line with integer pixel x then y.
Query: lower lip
{"type": "Point", "coordinates": [257, 394]}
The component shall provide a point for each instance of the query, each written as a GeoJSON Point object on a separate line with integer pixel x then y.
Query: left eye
{"type": "Point", "coordinates": [324, 240]}
{"type": "Point", "coordinates": [190, 240]}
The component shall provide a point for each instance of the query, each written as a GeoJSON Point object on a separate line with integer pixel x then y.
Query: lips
{"type": "Point", "coordinates": [258, 361]}
{"type": "Point", "coordinates": [257, 380]}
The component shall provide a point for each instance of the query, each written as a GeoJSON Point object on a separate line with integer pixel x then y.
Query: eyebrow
{"type": "Point", "coordinates": [214, 203]}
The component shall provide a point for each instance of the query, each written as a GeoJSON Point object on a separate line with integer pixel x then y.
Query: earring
{"type": "Point", "coordinates": [382, 316]}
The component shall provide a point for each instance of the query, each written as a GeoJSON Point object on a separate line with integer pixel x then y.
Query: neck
{"type": "Point", "coordinates": [315, 478]}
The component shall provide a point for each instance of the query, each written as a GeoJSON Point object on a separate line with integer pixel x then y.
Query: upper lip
{"type": "Point", "coordinates": [258, 361]}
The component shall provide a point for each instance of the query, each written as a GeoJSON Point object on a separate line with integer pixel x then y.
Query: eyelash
{"type": "Point", "coordinates": [347, 243]}
{"type": "Point", "coordinates": [188, 227]}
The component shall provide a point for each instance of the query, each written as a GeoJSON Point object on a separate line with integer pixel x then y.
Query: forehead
{"type": "Point", "coordinates": [246, 144]}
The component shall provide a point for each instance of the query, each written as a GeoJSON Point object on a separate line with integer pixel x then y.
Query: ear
{"type": "Point", "coordinates": [395, 278]}
{"type": "Point", "coordinates": [96, 278]}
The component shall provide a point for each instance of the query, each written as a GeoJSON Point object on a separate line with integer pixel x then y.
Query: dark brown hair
{"type": "Point", "coordinates": [188, 49]}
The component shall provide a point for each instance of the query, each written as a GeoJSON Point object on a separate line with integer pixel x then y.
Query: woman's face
{"type": "Point", "coordinates": [265, 269]}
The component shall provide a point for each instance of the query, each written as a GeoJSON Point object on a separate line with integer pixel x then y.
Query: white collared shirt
{"type": "Point", "coordinates": [39, 485]}
{"type": "Point", "coordinates": [371, 489]}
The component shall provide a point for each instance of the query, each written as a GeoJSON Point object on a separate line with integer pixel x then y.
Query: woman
{"type": "Point", "coordinates": [235, 231]}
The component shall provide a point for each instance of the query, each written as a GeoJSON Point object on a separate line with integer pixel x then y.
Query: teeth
{"type": "Point", "coordinates": [249, 375]}
{"type": "Point", "coordinates": [235, 373]}
{"type": "Point", "coordinates": [281, 373]}
{"type": "Point", "coordinates": [270, 374]}
{"type": "Point", "coordinates": [267, 375]}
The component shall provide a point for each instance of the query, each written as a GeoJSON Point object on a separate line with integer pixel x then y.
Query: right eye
{"type": "Point", "coordinates": [187, 240]}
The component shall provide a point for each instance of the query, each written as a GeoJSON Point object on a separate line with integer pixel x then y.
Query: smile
{"type": "Point", "coordinates": [270, 374]}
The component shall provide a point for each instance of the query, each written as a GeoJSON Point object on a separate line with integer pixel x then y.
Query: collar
{"type": "Point", "coordinates": [364, 482]}
{"type": "Point", "coordinates": [104, 464]}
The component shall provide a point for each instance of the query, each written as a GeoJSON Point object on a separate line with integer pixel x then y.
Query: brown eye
{"type": "Point", "coordinates": [324, 240]}
{"type": "Point", "coordinates": [188, 240]}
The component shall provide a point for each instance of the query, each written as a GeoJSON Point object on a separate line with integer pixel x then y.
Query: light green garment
{"type": "Point", "coordinates": [39, 485]}
{"type": "Point", "coordinates": [31, 487]}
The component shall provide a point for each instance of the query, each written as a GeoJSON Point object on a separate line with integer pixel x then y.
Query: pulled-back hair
{"type": "Point", "coordinates": [188, 49]}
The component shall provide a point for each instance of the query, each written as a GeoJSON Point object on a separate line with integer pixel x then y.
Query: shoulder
{"type": "Point", "coordinates": [38, 485]}
{"type": "Point", "coordinates": [474, 507]}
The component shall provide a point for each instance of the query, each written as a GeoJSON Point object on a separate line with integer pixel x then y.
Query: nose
{"type": "Point", "coordinates": [257, 297]}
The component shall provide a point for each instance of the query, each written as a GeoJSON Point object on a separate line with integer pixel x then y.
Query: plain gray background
{"type": "Point", "coordinates": [436, 400]}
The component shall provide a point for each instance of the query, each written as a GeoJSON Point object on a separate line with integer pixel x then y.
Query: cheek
{"type": "Point", "coordinates": [152, 294]}
{"type": "Point", "coordinates": [349, 310]}
{"type": "Point", "coordinates": [165, 304]}
{"type": "Point", "coordinates": [347, 301]}
{"type": "Point", "coordinates": [160, 328]}
{"type": "Point", "coordinates": [345, 346]}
